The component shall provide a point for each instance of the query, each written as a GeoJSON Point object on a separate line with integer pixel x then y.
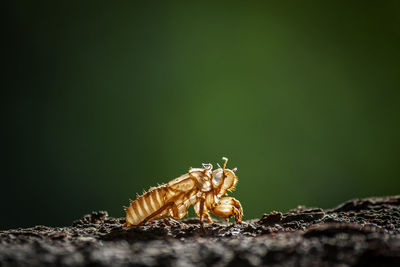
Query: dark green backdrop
{"type": "Point", "coordinates": [102, 101]}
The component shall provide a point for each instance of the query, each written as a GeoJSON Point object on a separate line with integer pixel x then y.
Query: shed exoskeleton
{"type": "Point", "coordinates": [203, 188]}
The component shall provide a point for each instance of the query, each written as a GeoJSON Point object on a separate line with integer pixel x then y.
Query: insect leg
{"type": "Point", "coordinates": [154, 214]}
{"type": "Point", "coordinates": [202, 200]}
{"type": "Point", "coordinates": [182, 203]}
{"type": "Point", "coordinates": [205, 212]}
{"type": "Point", "coordinates": [228, 207]}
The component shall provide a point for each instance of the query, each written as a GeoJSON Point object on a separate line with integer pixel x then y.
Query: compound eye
{"type": "Point", "coordinates": [217, 178]}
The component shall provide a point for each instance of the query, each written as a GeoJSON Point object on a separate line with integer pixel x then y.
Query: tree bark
{"type": "Point", "coordinates": [361, 232]}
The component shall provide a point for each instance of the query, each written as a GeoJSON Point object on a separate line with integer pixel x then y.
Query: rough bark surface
{"type": "Point", "coordinates": [362, 232]}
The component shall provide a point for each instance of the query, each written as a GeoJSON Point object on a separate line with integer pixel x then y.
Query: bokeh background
{"type": "Point", "coordinates": [101, 101]}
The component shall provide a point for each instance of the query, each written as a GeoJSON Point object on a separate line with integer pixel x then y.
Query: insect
{"type": "Point", "coordinates": [203, 188]}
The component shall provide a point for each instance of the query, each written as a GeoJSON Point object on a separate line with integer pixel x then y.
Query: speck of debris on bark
{"type": "Point", "coordinates": [361, 232]}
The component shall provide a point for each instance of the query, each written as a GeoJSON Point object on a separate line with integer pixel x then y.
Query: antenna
{"type": "Point", "coordinates": [226, 161]}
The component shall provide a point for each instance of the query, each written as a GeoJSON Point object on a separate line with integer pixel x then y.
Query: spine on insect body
{"type": "Point", "coordinates": [146, 205]}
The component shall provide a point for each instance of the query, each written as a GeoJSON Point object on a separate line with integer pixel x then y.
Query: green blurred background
{"type": "Point", "coordinates": [102, 101]}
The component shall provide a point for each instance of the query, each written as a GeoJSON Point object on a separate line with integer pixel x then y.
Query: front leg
{"type": "Point", "coordinates": [228, 207]}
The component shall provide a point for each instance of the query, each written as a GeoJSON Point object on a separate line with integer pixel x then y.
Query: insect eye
{"type": "Point", "coordinates": [217, 177]}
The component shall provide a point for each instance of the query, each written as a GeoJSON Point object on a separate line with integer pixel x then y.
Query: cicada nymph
{"type": "Point", "coordinates": [203, 188]}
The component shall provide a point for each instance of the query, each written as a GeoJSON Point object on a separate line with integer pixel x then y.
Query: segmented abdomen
{"type": "Point", "coordinates": [146, 205]}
